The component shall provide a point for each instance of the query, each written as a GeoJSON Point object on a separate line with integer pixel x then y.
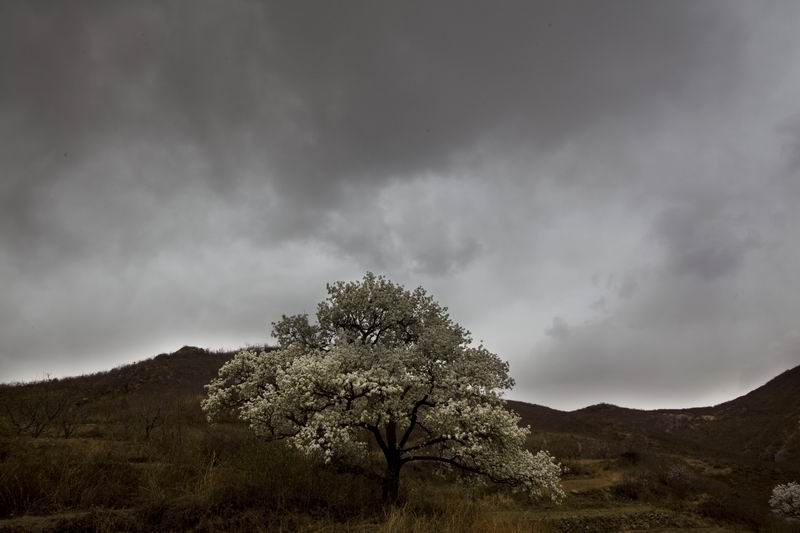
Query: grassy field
{"type": "Point", "coordinates": [222, 479]}
{"type": "Point", "coordinates": [135, 453]}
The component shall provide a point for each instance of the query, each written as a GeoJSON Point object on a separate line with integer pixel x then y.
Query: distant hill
{"type": "Point", "coordinates": [184, 371]}
{"type": "Point", "coordinates": [763, 425]}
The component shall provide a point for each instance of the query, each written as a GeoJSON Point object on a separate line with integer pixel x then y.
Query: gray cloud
{"type": "Point", "coordinates": [176, 172]}
{"type": "Point", "coordinates": [559, 330]}
{"type": "Point", "coordinates": [702, 242]}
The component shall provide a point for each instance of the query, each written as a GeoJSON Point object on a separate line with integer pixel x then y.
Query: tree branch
{"type": "Point", "coordinates": [413, 420]}
{"type": "Point", "coordinates": [460, 466]}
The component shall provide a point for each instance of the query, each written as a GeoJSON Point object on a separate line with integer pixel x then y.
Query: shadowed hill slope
{"type": "Point", "coordinates": [778, 394]}
{"type": "Point", "coordinates": [761, 425]}
{"type": "Point", "coordinates": [185, 371]}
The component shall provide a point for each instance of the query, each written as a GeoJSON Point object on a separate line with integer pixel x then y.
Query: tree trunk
{"type": "Point", "coordinates": [391, 484]}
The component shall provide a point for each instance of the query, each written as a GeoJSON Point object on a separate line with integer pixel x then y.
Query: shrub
{"type": "Point", "coordinates": [631, 457]}
{"type": "Point", "coordinates": [655, 477]}
{"type": "Point", "coordinates": [785, 500]}
{"type": "Point", "coordinates": [56, 480]}
{"type": "Point", "coordinates": [639, 484]}
{"type": "Point", "coordinates": [726, 506]}
{"type": "Point", "coordinates": [679, 480]}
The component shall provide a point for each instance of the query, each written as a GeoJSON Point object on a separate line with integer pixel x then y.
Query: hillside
{"type": "Point", "coordinates": [764, 424]}
{"type": "Point", "coordinates": [186, 371]}
{"type": "Point", "coordinates": [133, 445]}
{"type": "Point", "coordinates": [761, 425]}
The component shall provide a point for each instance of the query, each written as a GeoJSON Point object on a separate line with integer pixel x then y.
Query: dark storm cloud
{"type": "Point", "coordinates": [330, 92]}
{"type": "Point", "coordinates": [700, 242]}
{"type": "Point", "coordinates": [390, 89]}
{"type": "Point", "coordinates": [185, 172]}
{"type": "Point", "coordinates": [306, 97]}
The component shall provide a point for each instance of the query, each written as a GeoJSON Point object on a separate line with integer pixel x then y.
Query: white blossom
{"type": "Point", "coordinates": [785, 500]}
{"type": "Point", "coordinates": [386, 364]}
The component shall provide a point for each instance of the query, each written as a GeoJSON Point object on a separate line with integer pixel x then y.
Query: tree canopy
{"type": "Point", "coordinates": [385, 364]}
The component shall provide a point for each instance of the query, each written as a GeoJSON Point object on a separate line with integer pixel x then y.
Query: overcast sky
{"type": "Point", "coordinates": [606, 193]}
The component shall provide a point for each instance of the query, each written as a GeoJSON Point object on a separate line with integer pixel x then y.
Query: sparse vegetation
{"type": "Point", "coordinates": [192, 476]}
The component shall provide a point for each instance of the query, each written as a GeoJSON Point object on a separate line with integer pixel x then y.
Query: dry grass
{"type": "Point", "coordinates": [185, 475]}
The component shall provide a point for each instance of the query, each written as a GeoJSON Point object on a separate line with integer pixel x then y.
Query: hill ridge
{"type": "Point", "coordinates": [763, 424]}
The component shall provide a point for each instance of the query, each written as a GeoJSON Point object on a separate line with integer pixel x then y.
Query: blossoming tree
{"type": "Point", "coordinates": [785, 500]}
{"type": "Point", "coordinates": [386, 364]}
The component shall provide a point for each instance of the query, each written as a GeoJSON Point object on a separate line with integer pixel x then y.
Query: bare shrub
{"type": "Point", "coordinates": [150, 416]}
{"type": "Point", "coordinates": [656, 477]}
{"type": "Point", "coordinates": [72, 415]}
{"type": "Point", "coordinates": [34, 413]}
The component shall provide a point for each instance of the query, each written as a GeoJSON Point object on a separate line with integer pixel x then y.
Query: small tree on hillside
{"type": "Point", "coordinates": [34, 412]}
{"type": "Point", "coordinates": [71, 417]}
{"type": "Point", "coordinates": [149, 415]}
{"type": "Point", "coordinates": [388, 364]}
